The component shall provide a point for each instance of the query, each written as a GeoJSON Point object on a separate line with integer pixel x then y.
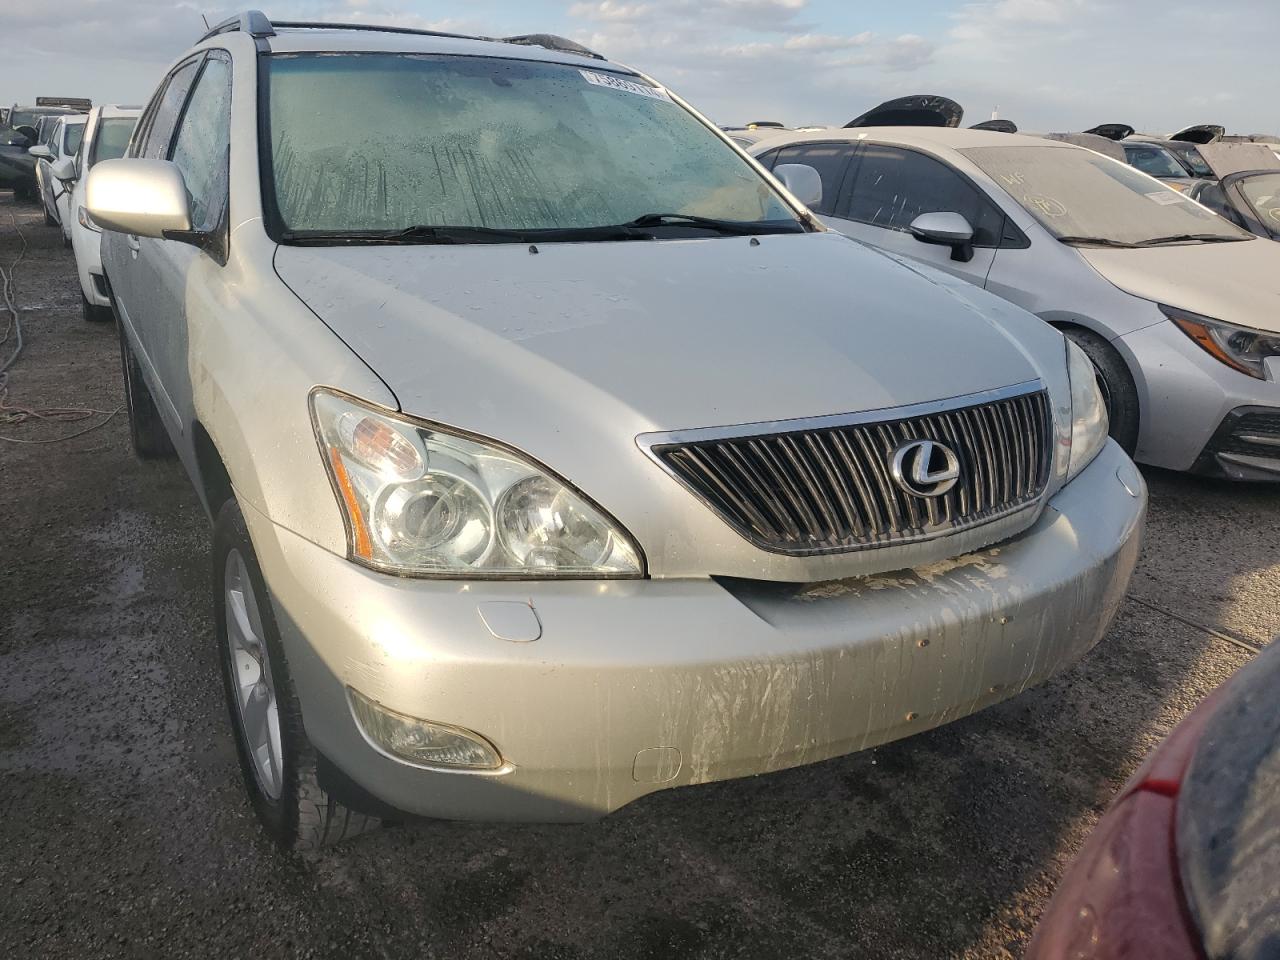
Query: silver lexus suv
{"type": "Point", "coordinates": [550, 459]}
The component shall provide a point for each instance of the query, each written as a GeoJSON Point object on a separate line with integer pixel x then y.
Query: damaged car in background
{"type": "Point", "coordinates": [552, 473]}
{"type": "Point", "coordinates": [1174, 305]}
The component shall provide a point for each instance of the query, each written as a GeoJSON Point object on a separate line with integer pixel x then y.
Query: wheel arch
{"type": "Point", "coordinates": [213, 480]}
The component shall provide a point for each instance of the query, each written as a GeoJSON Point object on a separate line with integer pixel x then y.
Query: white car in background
{"type": "Point", "coordinates": [64, 141]}
{"type": "Point", "coordinates": [1175, 306]}
{"type": "Point", "coordinates": [106, 137]}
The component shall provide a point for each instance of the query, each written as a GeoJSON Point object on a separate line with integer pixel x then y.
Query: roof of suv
{"type": "Point", "coordinates": [319, 37]}
{"type": "Point", "coordinates": [311, 40]}
{"type": "Point", "coordinates": [108, 110]}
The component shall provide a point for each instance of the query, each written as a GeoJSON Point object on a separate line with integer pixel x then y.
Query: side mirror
{"type": "Point", "coordinates": [802, 182]}
{"type": "Point", "coordinates": [145, 198]}
{"type": "Point", "coordinates": [29, 132]}
{"type": "Point", "coordinates": [64, 169]}
{"type": "Point", "coordinates": [945, 230]}
{"type": "Point", "coordinates": [41, 152]}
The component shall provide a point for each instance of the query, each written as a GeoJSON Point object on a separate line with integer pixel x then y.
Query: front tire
{"type": "Point", "coordinates": [277, 761]}
{"type": "Point", "coordinates": [1114, 380]}
{"type": "Point", "coordinates": [146, 429]}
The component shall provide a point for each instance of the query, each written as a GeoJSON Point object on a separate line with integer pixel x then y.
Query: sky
{"type": "Point", "coordinates": [1048, 65]}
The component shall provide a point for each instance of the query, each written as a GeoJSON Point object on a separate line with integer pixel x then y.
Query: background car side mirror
{"type": "Point", "coordinates": [802, 182]}
{"type": "Point", "coordinates": [40, 151]}
{"type": "Point", "coordinates": [945, 230]}
{"type": "Point", "coordinates": [64, 169]}
{"type": "Point", "coordinates": [144, 198]}
{"type": "Point", "coordinates": [29, 132]}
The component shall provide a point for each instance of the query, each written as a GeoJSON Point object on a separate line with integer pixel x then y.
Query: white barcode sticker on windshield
{"type": "Point", "coordinates": [627, 86]}
{"type": "Point", "coordinates": [1165, 197]}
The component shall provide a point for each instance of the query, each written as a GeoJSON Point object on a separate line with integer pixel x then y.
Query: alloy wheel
{"type": "Point", "coordinates": [257, 711]}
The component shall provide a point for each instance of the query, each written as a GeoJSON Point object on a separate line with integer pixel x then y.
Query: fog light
{"type": "Point", "coordinates": [422, 742]}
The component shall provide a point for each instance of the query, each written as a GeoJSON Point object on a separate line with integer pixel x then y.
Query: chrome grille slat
{"type": "Point", "coordinates": [829, 488]}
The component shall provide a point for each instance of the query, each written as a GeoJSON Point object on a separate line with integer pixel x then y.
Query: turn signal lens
{"type": "Point", "coordinates": [83, 216]}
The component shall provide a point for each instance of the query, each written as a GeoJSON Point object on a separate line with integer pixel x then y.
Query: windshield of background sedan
{"type": "Point", "coordinates": [1078, 193]}
{"type": "Point", "coordinates": [1263, 194]}
{"type": "Point", "coordinates": [1154, 161]}
{"type": "Point", "coordinates": [1191, 157]}
{"type": "Point", "coordinates": [112, 138]}
{"type": "Point", "coordinates": [387, 142]}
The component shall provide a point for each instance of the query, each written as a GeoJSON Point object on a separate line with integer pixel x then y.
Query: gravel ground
{"type": "Point", "coordinates": [124, 831]}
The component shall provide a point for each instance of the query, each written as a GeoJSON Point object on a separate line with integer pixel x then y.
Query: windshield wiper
{"type": "Point", "coordinates": [1095, 242]}
{"type": "Point", "coordinates": [462, 235]}
{"type": "Point", "coordinates": [737, 228]}
{"type": "Point", "coordinates": [1191, 238]}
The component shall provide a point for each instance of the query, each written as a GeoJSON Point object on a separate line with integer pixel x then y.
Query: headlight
{"type": "Point", "coordinates": [420, 500]}
{"type": "Point", "coordinates": [1240, 348]}
{"type": "Point", "coordinates": [1089, 423]}
{"type": "Point", "coordinates": [83, 216]}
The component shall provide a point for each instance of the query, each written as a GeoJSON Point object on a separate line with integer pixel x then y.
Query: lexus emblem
{"type": "Point", "coordinates": [924, 468]}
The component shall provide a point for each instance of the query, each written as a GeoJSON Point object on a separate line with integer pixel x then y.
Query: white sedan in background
{"type": "Point", "coordinates": [63, 143]}
{"type": "Point", "coordinates": [1175, 306]}
{"type": "Point", "coordinates": [106, 137]}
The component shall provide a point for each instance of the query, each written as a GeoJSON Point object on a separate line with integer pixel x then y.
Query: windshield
{"type": "Point", "coordinates": [1154, 161]}
{"type": "Point", "coordinates": [1074, 192]}
{"type": "Point", "coordinates": [112, 138]}
{"type": "Point", "coordinates": [1191, 157]}
{"type": "Point", "coordinates": [24, 118]}
{"type": "Point", "coordinates": [386, 142]}
{"type": "Point", "coordinates": [1263, 194]}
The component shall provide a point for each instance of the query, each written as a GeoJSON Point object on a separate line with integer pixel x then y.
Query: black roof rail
{"type": "Point", "coordinates": [252, 22]}
{"type": "Point", "coordinates": [549, 41]}
{"type": "Point", "coordinates": [256, 25]}
{"type": "Point", "coordinates": [370, 27]}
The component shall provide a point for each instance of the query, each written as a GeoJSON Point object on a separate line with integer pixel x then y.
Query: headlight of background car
{"type": "Point", "coordinates": [421, 500]}
{"type": "Point", "coordinates": [1089, 423]}
{"type": "Point", "coordinates": [83, 216]}
{"type": "Point", "coordinates": [1240, 348]}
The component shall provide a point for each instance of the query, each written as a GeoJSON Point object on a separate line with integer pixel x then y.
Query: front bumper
{"type": "Point", "coordinates": [635, 686]}
{"type": "Point", "coordinates": [1245, 447]}
{"type": "Point", "coordinates": [87, 245]}
{"type": "Point", "coordinates": [1186, 396]}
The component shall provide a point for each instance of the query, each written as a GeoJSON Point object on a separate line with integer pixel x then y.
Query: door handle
{"type": "Point", "coordinates": [134, 244]}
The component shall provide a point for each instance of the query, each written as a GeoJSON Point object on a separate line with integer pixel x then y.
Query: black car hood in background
{"type": "Point", "coordinates": [996, 126]}
{"type": "Point", "coordinates": [918, 110]}
{"type": "Point", "coordinates": [1201, 133]}
{"type": "Point", "coordinates": [1229, 819]}
{"type": "Point", "coordinates": [1112, 131]}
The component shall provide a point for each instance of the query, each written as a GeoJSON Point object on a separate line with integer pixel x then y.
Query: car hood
{"type": "Point", "coordinates": [667, 335]}
{"type": "Point", "coordinates": [1235, 282]}
{"type": "Point", "coordinates": [570, 353]}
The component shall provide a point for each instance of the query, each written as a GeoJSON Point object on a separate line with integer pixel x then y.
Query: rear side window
{"type": "Point", "coordinates": [163, 117]}
{"type": "Point", "coordinates": [200, 150]}
{"type": "Point", "coordinates": [831, 160]}
{"type": "Point", "coordinates": [892, 186]}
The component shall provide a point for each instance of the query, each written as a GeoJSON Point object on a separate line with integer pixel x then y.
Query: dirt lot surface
{"type": "Point", "coordinates": [124, 831]}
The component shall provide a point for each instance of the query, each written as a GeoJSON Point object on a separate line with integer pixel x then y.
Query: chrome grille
{"type": "Point", "coordinates": [826, 486]}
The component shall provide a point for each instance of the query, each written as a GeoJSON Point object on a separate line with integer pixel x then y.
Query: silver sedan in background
{"type": "Point", "coordinates": [1175, 306]}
